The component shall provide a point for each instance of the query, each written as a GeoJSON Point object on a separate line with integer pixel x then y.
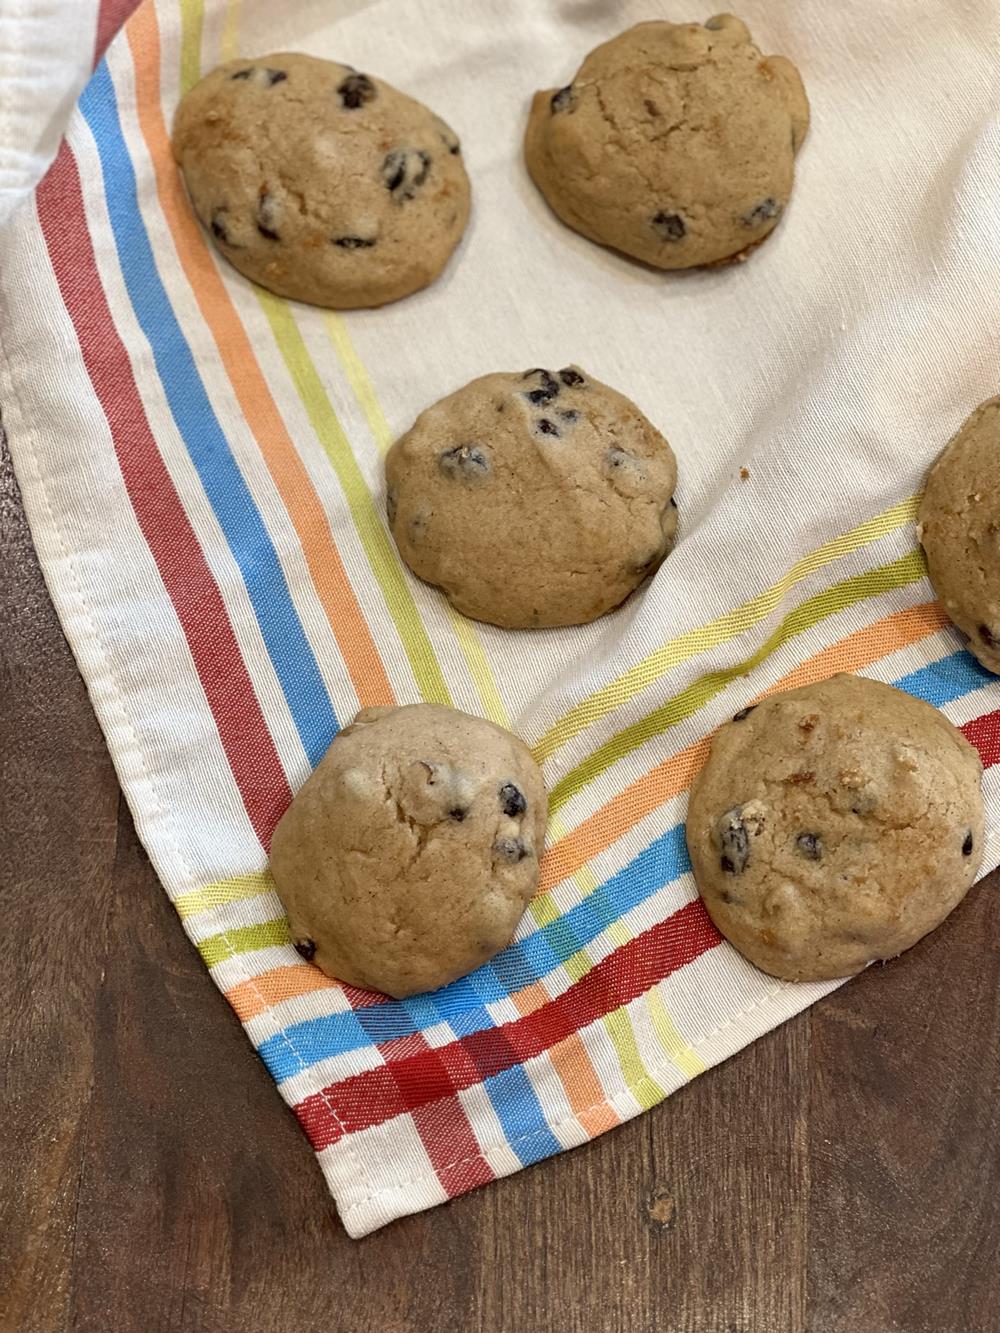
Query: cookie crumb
{"type": "Point", "coordinates": [744, 474]}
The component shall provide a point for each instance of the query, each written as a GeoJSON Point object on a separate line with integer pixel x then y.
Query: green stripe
{"type": "Point", "coordinates": [900, 572]}
{"type": "Point", "coordinates": [244, 939]}
{"type": "Point", "coordinates": [699, 640]}
{"type": "Point", "coordinates": [646, 1091]}
{"type": "Point", "coordinates": [374, 538]}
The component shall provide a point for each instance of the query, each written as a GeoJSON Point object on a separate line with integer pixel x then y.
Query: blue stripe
{"type": "Point", "coordinates": [462, 1002]}
{"type": "Point", "coordinates": [945, 681]}
{"type": "Point", "coordinates": [518, 1110]}
{"type": "Point", "coordinates": [204, 438]}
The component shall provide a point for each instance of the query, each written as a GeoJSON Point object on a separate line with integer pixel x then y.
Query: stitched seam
{"type": "Point", "coordinates": [607, 1102]}
{"type": "Point", "coordinates": [162, 814]}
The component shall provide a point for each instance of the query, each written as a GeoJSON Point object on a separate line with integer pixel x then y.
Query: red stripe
{"type": "Point", "coordinates": [426, 1079]}
{"type": "Point", "coordinates": [186, 576]}
{"type": "Point", "coordinates": [984, 733]}
{"type": "Point", "coordinates": [110, 17]}
{"type": "Point", "coordinates": [431, 1076]}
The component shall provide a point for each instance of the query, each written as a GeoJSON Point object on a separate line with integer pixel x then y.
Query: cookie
{"type": "Point", "coordinates": [959, 527]}
{"type": "Point", "coordinates": [409, 856]}
{"type": "Point", "coordinates": [675, 143]}
{"type": "Point", "coordinates": [833, 825]}
{"type": "Point", "coordinates": [533, 499]}
{"type": "Point", "coordinates": [319, 182]}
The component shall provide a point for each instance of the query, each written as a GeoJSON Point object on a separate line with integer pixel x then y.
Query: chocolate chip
{"type": "Point", "coordinates": [968, 844]}
{"type": "Point", "coordinates": [744, 713]}
{"type": "Point", "coordinates": [734, 843]}
{"type": "Point", "coordinates": [306, 948]}
{"type": "Point", "coordinates": [548, 427]}
{"type": "Point", "coordinates": [761, 213]}
{"type": "Point", "coordinates": [569, 415]}
{"type": "Point", "coordinates": [267, 215]}
{"type": "Point", "coordinates": [563, 100]}
{"type": "Point", "coordinates": [670, 226]}
{"type": "Point", "coordinates": [405, 170]}
{"type": "Point", "coordinates": [447, 136]}
{"type": "Point", "coordinates": [988, 637]}
{"type": "Point", "coordinates": [353, 242]}
{"type": "Point", "coordinates": [512, 801]}
{"type": "Point", "coordinates": [356, 90]}
{"type": "Point", "coordinates": [571, 378]}
{"type": "Point", "coordinates": [242, 73]}
{"type": "Point", "coordinates": [275, 76]}
{"type": "Point", "coordinates": [809, 845]}
{"type": "Point", "coordinates": [546, 392]}
{"type": "Point", "coordinates": [458, 814]}
{"type": "Point", "coordinates": [464, 463]}
{"type": "Point", "coordinates": [673, 502]}
{"type": "Point", "coordinates": [628, 475]}
{"type": "Point", "coordinates": [219, 229]}
{"type": "Point", "coordinates": [644, 566]}
{"type": "Point", "coordinates": [391, 502]}
{"type": "Point", "coordinates": [510, 849]}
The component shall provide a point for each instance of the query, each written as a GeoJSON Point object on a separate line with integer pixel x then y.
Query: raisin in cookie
{"type": "Point", "coordinates": [675, 143]}
{"type": "Point", "coordinates": [321, 183]}
{"type": "Point", "coordinates": [960, 530]}
{"type": "Point", "coordinates": [409, 856]}
{"type": "Point", "coordinates": [833, 825]}
{"type": "Point", "coordinates": [535, 499]}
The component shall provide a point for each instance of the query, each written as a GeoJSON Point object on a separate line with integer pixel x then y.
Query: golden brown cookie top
{"type": "Point", "coordinates": [959, 526]}
{"type": "Point", "coordinates": [674, 143]}
{"type": "Point", "coordinates": [320, 182]}
{"type": "Point", "coordinates": [835, 824]}
{"type": "Point", "coordinates": [409, 856]}
{"type": "Point", "coordinates": [537, 498]}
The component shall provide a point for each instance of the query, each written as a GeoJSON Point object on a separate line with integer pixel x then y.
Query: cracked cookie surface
{"type": "Point", "coordinates": [675, 143]}
{"type": "Point", "coordinates": [319, 182]}
{"type": "Point", "coordinates": [410, 854]}
{"type": "Point", "coordinates": [959, 527]}
{"type": "Point", "coordinates": [539, 498]}
{"type": "Point", "coordinates": [833, 825]}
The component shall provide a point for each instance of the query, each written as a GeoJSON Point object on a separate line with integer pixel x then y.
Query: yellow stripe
{"type": "Point", "coordinates": [234, 890]}
{"type": "Point", "coordinates": [465, 632]}
{"type": "Point", "coordinates": [681, 1052]}
{"type": "Point", "coordinates": [372, 534]}
{"type": "Point", "coordinates": [692, 642]}
{"type": "Point", "coordinates": [643, 1088]}
{"type": "Point", "coordinates": [837, 597]}
{"type": "Point", "coordinates": [192, 17]}
{"type": "Point", "coordinates": [359, 380]}
{"type": "Point", "coordinates": [230, 31]}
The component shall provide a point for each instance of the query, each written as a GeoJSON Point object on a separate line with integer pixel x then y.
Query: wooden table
{"type": "Point", "coordinates": [842, 1175]}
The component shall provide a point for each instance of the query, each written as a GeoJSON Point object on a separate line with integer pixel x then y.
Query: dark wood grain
{"type": "Point", "coordinates": [840, 1176]}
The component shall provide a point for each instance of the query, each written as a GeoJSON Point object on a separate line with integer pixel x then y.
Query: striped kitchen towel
{"type": "Point", "coordinates": [201, 465]}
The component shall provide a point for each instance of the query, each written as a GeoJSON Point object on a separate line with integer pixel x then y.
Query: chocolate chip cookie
{"type": "Point", "coordinates": [320, 182]}
{"type": "Point", "coordinates": [533, 499]}
{"type": "Point", "coordinates": [959, 527]}
{"type": "Point", "coordinates": [675, 143]}
{"type": "Point", "coordinates": [833, 825]}
{"type": "Point", "coordinates": [409, 856]}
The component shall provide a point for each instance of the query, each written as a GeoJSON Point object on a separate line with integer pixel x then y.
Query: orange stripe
{"type": "Point", "coordinates": [250, 998]}
{"type": "Point", "coordinates": [583, 1089]}
{"type": "Point", "coordinates": [530, 998]}
{"type": "Point", "coordinates": [866, 645]}
{"type": "Point", "coordinates": [676, 774]}
{"type": "Point", "coordinates": [236, 353]}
